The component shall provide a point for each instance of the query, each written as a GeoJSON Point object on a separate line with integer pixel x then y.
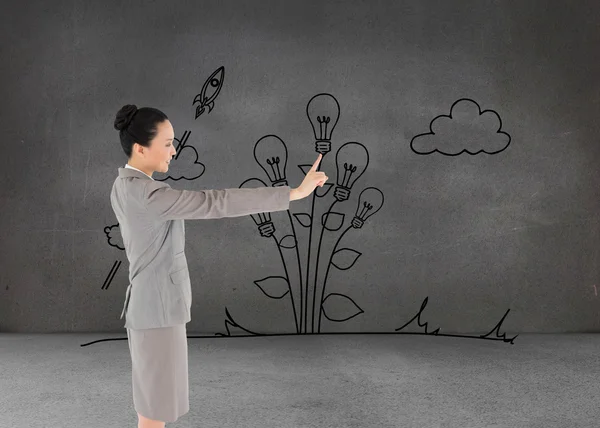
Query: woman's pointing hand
{"type": "Point", "coordinates": [312, 179]}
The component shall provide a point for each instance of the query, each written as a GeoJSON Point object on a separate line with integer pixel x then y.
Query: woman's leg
{"type": "Point", "coordinates": [144, 422]}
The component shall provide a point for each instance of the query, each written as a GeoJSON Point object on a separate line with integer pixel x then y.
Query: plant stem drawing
{"type": "Point", "coordinates": [320, 110]}
{"type": "Point", "coordinates": [352, 160]}
{"type": "Point", "coordinates": [370, 201]}
{"type": "Point", "coordinates": [271, 154]}
{"type": "Point", "coordinates": [276, 284]}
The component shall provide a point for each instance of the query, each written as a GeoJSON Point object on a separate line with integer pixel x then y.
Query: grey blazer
{"type": "Point", "coordinates": [151, 218]}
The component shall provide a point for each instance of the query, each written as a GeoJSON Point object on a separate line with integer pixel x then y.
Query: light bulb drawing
{"type": "Point", "coordinates": [369, 202]}
{"type": "Point", "coordinates": [262, 220]}
{"type": "Point", "coordinates": [351, 160]}
{"type": "Point", "coordinates": [323, 112]}
{"type": "Point", "coordinates": [270, 153]}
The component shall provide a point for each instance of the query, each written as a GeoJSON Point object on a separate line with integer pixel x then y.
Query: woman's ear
{"type": "Point", "coordinates": [137, 148]}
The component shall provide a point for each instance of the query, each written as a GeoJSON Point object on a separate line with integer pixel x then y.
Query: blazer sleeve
{"type": "Point", "coordinates": [169, 204]}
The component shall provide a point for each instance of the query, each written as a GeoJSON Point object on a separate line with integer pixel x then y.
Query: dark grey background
{"type": "Point", "coordinates": [477, 235]}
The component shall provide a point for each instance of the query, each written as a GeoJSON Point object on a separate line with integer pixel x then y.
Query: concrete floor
{"type": "Point", "coordinates": [313, 381]}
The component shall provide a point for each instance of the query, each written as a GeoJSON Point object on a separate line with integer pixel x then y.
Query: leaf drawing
{"type": "Point", "coordinates": [332, 221]}
{"type": "Point", "coordinates": [304, 219]}
{"type": "Point", "coordinates": [345, 258]}
{"type": "Point", "coordinates": [338, 307]}
{"type": "Point", "coordinates": [274, 287]}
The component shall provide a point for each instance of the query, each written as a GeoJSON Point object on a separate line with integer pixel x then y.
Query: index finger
{"type": "Point", "coordinates": [316, 164]}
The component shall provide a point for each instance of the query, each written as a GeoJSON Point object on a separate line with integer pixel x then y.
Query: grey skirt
{"type": "Point", "coordinates": [159, 372]}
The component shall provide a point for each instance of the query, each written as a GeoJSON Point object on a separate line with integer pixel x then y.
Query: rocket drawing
{"type": "Point", "coordinates": [209, 92]}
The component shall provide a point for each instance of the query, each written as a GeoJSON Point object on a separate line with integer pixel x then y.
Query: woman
{"type": "Point", "coordinates": [151, 218]}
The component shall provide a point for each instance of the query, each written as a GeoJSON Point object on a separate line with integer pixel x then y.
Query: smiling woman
{"type": "Point", "coordinates": [146, 137]}
{"type": "Point", "coordinates": [151, 218]}
{"type": "Point", "coordinates": [158, 355]}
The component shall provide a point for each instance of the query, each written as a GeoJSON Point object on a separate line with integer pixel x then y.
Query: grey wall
{"type": "Point", "coordinates": [511, 234]}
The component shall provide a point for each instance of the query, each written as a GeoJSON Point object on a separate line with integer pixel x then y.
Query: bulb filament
{"type": "Point", "coordinates": [348, 171]}
{"type": "Point", "coordinates": [276, 173]}
{"type": "Point", "coordinates": [323, 122]}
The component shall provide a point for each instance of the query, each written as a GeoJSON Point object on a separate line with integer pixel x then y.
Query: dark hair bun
{"type": "Point", "coordinates": [124, 116]}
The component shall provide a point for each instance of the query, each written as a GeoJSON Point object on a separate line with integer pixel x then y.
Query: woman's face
{"type": "Point", "coordinates": [161, 150]}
